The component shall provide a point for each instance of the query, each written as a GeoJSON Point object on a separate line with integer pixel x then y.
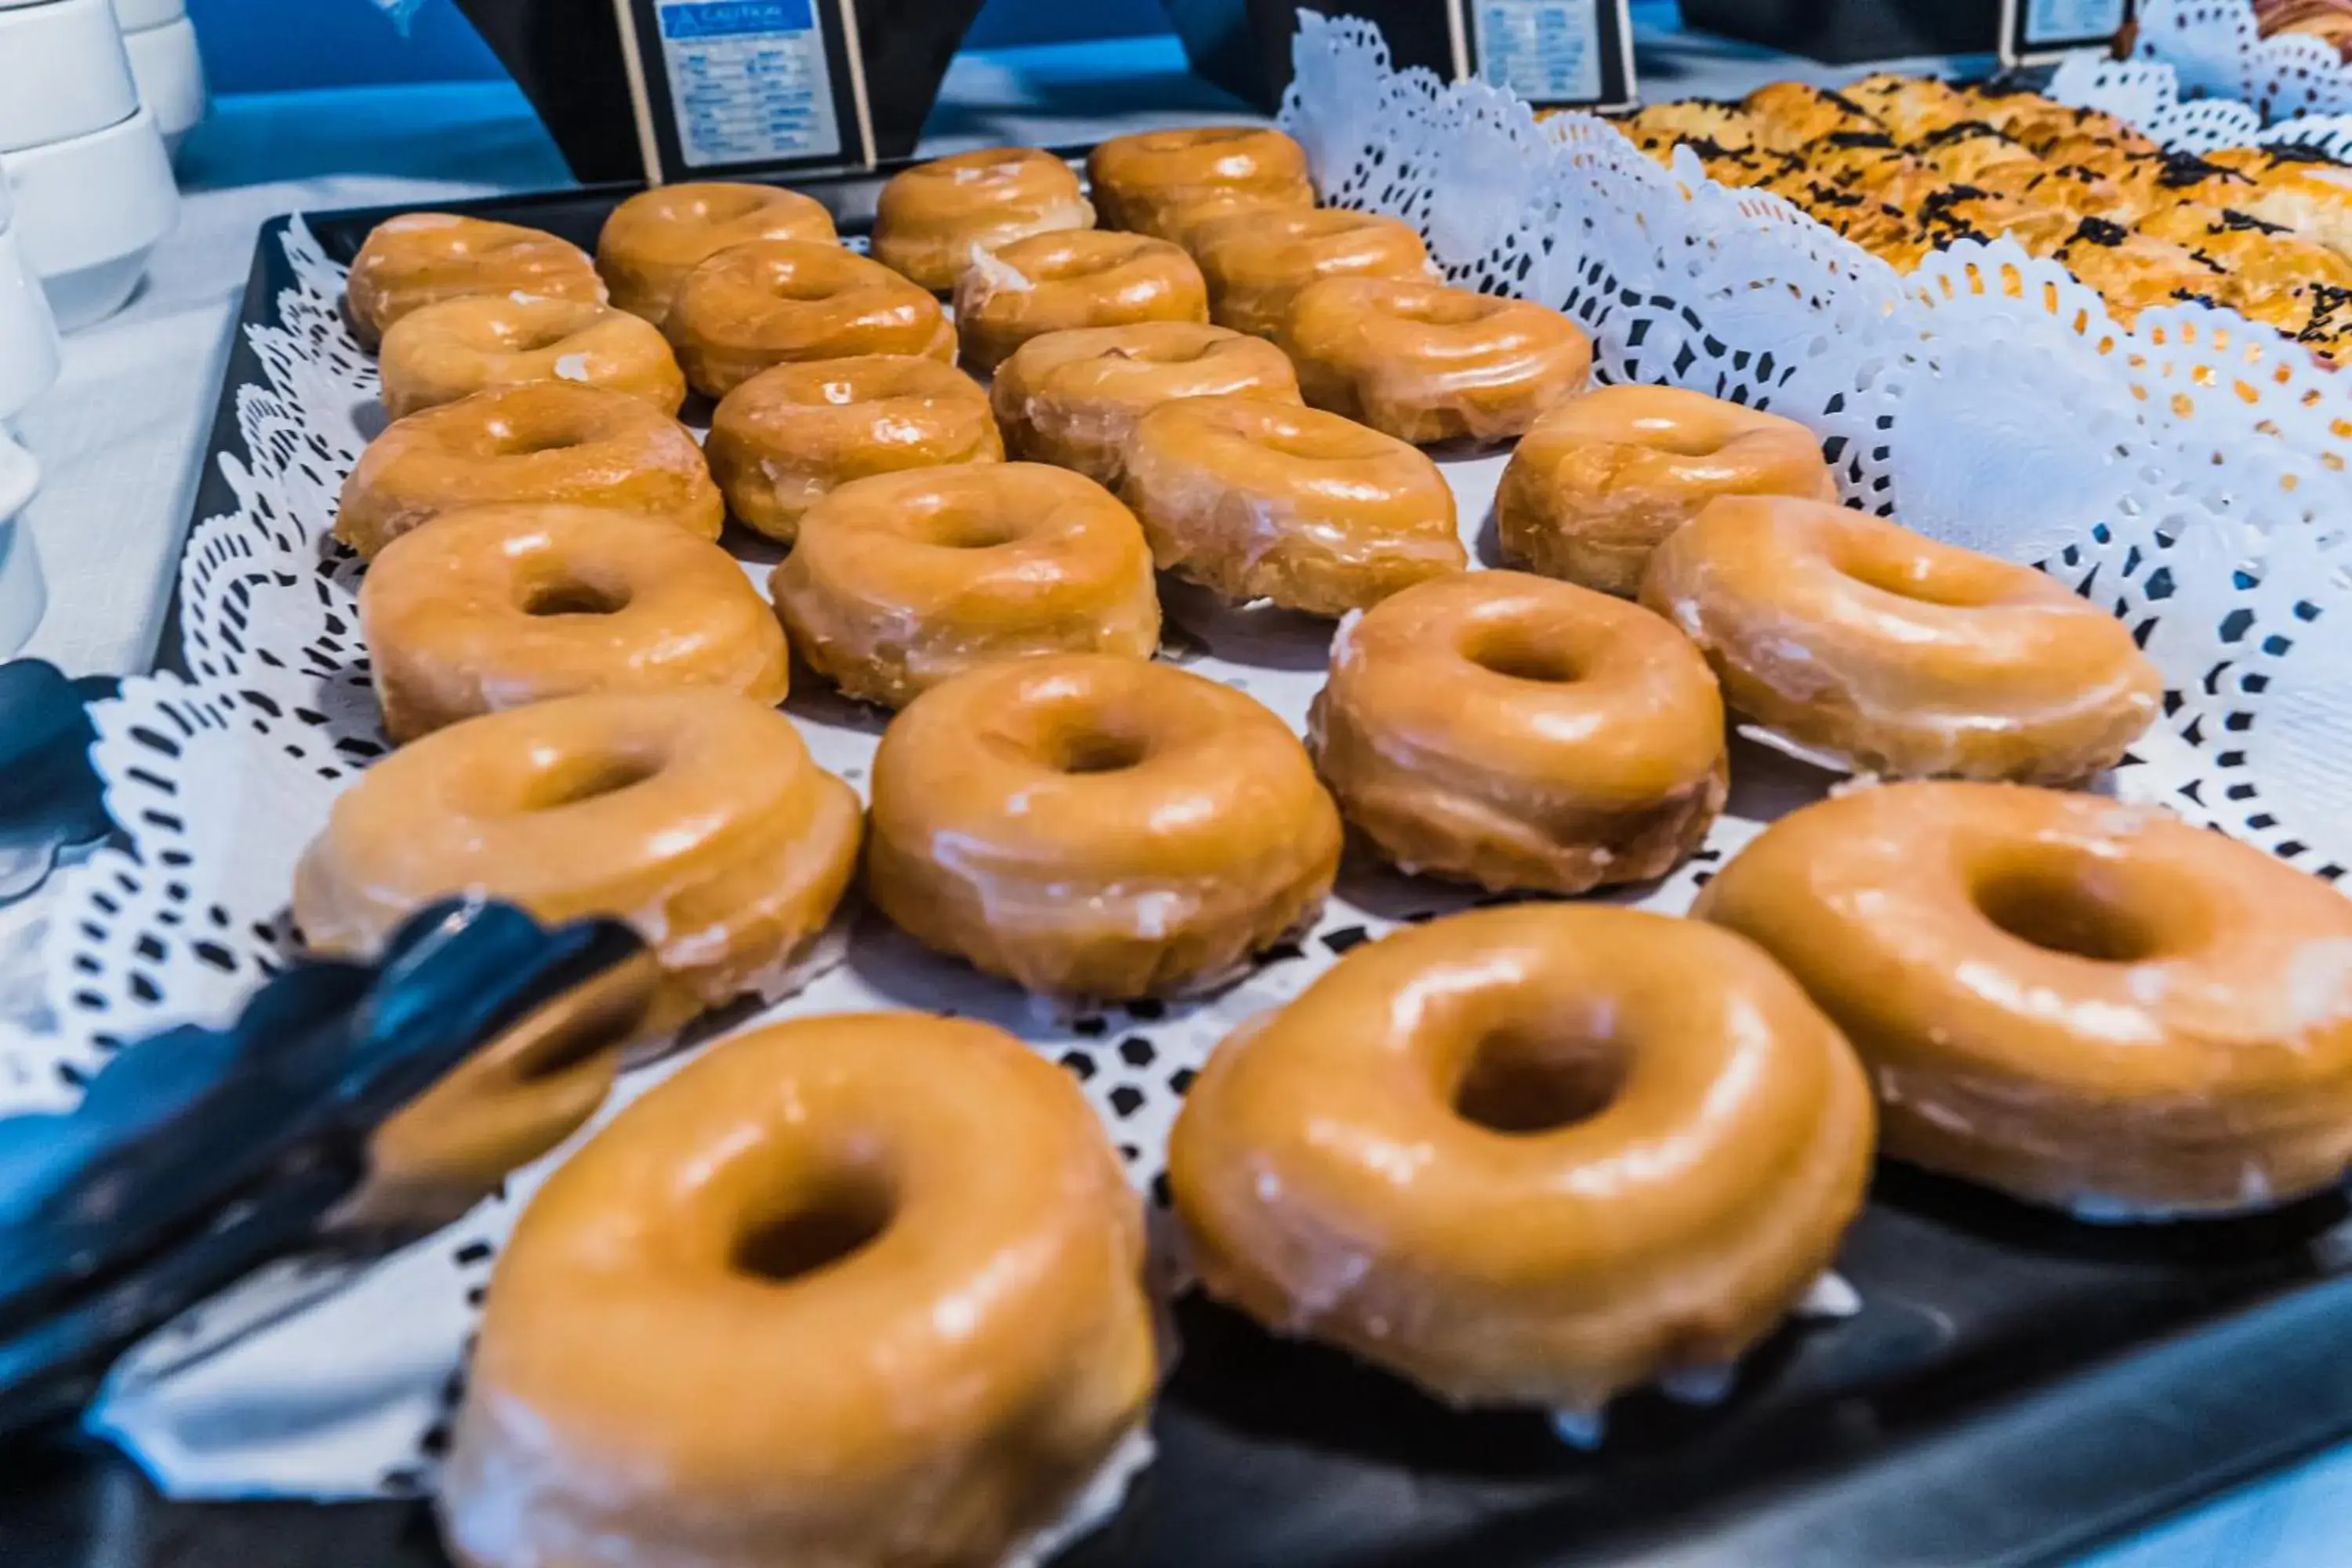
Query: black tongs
{"type": "Point", "coordinates": [198, 1156]}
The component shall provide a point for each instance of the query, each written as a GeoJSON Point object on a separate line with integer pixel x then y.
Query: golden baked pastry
{"type": "Point", "coordinates": [1255, 263]}
{"type": "Point", "coordinates": [1897, 654]}
{"type": "Point", "coordinates": [1265, 501]}
{"type": "Point", "coordinates": [1789, 115]}
{"type": "Point", "coordinates": [1424, 363]}
{"type": "Point", "coordinates": [1723, 126]}
{"type": "Point", "coordinates": [1496, 728]}
{"type": "Point", "coordinates": [1537, 1155]}
{"type": "Point", "coordinates": [2136, 271]}
{"type": "Point", "coordinates": [1912, 108]}
{"type": "Point", "coordinates": [544, 441]}
{"type": "Point", "coordinates": [915, 1225]}
{"type": "Point", "coordinates": [498, 606]}
{"type": "Point", "coordinates": [656, 237]}
{"type": "Point", "coordinates": [1601, 479]}
{"type": "Point", "coordinates": [2298, 187]}
{"type": "Point", "coordinates": [785, 439]}
{"type": "Point", "coordinates": [2078, 1002]}
{"type": "Point", "coordinates": [1072, 398]}
{"type": "Point", "coordinates": [1092, 827]}
{"type": "Point", "coordinates": [778, 301]}
{"type": "Point", "coordinates": [421, 258]}
{"type": "Point", "coordinates": [1085, 278]}
{"type": "Point", "coordinates": [695, 816]}
{"type": "Point", "coordinates": [1161, 182]}
{"type": "Point", "coordinates": [442, 353]}
{"type": "Point", "coordinates": [930, 219]}
{"type": "Point", "coordinates": [901, 580]}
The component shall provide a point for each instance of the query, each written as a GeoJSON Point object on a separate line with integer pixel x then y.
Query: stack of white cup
{"type": "Point", "coordinates": [28, 362]}
{"type": "Point", "coordinates": [162, 44]}
{"type": "Point", "coordinates": [84, 159]}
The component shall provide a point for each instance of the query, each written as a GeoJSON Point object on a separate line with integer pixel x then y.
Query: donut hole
{"type": "Point", "coordinates": [578, 779]}
{"type": "Point", "coordinates": [1518, 654]}
{"type": "Point", "coordinates": [509, 440]}
{"type": "Point", "coordinates": [840, 1218]}
{"type": "Point", "coordinates": [570, 597]}
{"type": "Point", "coordinates": [970, 530]}
{"type": "Point", "coordinates": [2067, 906]}
{"type": "Point", "coordinates": [1520, 1081]}
{"type": "Point", "coordinates": [1090, 750]}
{"type": "Point", "coordinates": [722, 207]}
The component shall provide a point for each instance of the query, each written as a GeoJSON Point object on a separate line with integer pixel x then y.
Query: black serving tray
{"type": "Point", "coordinates": [2016, 1387]}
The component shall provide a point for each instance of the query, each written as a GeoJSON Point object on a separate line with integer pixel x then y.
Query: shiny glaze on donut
{"type": "Point", "coordinates": [544, 441]}
{"type": "Point", "coordinates": [1862, 640]}
{"type": "Point", "coordinates": [1513, 732]}
{"type": "Point", "coordinates": [1535, 1155]}
{"type": "Point", "coordinates": [1256, 262]}
{"type": "Point", "coordinates": [2079, 1002]}
{"type": "Point", "coordinates": [1098, 827]}
{"type": "Point", "coordinates": [1161, 182]}
{"type": "Point", "coordinates": [656, 237]}
{"type": "Point", "coordinates": [1084, 278]}
{"type": "Point", "coordinates": [1072, 398]}
{"type": "Point", "coordinates": [929, 218]}
{"type": "Point", "coordinates": [1424, 363]}
{"type": "Point", "coordinates": [846, 1291]}
{"type": "Point", "coordinates": [1265, 501]}
{"type": "Point", "coordinates": [713, 834]}
{"type": "Point", "coordinates": [1601, 479]}
{"type": "Point", "coordinates": [792, 434]}
{"type": "Point", "coordinates": [439, 353]}
{"type": "Point", "coordinates": [421, 259]}
{"type": "Point", "coordinates": [498, 606]}
{"type": "Point", "coordinates": [777, 301]}
{"type": "Point", "coordinates": [902, 581]}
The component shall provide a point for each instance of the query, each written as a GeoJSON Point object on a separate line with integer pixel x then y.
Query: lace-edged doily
{"type": "Point", "coordinates": [2219, 52]}
{"type": "Point", "coordinates": [2185, 474]}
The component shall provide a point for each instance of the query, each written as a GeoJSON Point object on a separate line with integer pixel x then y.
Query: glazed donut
{"type": "Point", "coordinates": [1536, 1156]}
{"type": "Point", "coordinates": [498, 606]}
{"type": "Point", "coordinates": [1097, 827]}
{"type": "Point", "coordinates": [442, 353]}
{"type": "Point", "coordinates": [787, 437]}
{"type": "Point", "coordinates": [1161, 182]}
{"type": "Point", "coordinates": [2077, 1001]}
{"type": "Point", "coordinates": [775, 301]}
{"type": "Point", "coordinates": [1896, 655]}
{"type": "Point", "coordinates": [1516, 732]}
{"type": "Point", "coordinates": [931, 218]}
{"type": "Point", "coordinates": [1264, 501]}
{"type": "Point", "coordinates": [1424, 363]}
{"type": "Point", "coordinates": [544, 441]}
{"type": "Point", "coordinates": [1072, 398]}
{"type": "Point", "coordinates": [1084, 278]}
{"type": "Point", "coordinates": [1600, 479]}
{"type": "Point", "coordinates": [695, 816]}
{"type": "Point", "coordinates": [421, 258]}
{"type": "Point", "coordinates": [902, 581]}
{"type": "Point", "coordinates": [656, 237]}
{"type": "Point", "coordinates": [1256, 262]}
{"type": "Point", "coordinates": [914, 1223]}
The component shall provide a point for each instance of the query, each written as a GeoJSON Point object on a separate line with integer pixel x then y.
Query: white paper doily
{"type": "Point", "coordinates": [2187, 474]}
{"type": "Point", "coordinates": [2219, 51]}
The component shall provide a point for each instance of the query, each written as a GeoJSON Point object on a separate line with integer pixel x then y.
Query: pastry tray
{"type": "Point", "coordinates": [2015, 1387]}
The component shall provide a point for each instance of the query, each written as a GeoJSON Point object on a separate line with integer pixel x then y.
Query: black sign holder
{"type": "Point", "coordinates": [2036, 32]}
{"type": "Point", "coordinates": [1517, 44]}
{"type": "Point", "coordinates": [737, 89]}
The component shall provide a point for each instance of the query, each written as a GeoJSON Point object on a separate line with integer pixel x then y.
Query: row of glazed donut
{"type": "Point", "coordinates": [1534, 1156]}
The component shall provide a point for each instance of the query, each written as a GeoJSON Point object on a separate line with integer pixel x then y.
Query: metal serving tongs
{"type": "Point", "coordinates": [350, 1108]}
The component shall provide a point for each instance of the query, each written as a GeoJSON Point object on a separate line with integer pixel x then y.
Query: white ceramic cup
{"type": "Point", "coordinates": [138, 15]}
{"type": "Point", "coordinates": [28, 335]}
{"type": "Point", "coordinates": [63, 72]}
{"type": "Point", "coordinates": [171, 77]}
{"type": "Point", "coordinates": [89, 211]}
{"type": "Point", "coordinates": [23, 592]}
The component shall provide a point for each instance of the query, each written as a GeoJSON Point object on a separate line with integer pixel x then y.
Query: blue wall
{"type": "Point", "coordinates": [266, 46]}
